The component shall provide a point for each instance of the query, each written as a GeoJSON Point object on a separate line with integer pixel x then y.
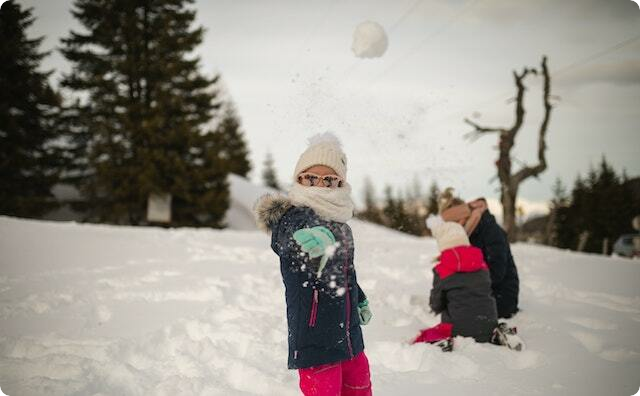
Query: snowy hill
{"type": "Point", "coordinates": [239, 216]}
{"type": "Point", "coordinates": [102, 310]}
{"type": "Point", "coordinates": [243, 195]}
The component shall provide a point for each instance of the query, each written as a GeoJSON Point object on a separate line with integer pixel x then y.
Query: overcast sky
{"type": "Point", "coordinates": [289, 68]}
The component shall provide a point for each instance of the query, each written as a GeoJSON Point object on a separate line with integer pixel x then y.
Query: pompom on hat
{"type": "Point", "coordinates": [449, 235]}
{"type": "Point", "coordinates": [324, 149]}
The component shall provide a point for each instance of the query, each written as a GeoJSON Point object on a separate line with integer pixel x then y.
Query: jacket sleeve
{"type": "Point", "coordinates": [361, 296]}
{"type": "Point", "coordinates": [282, 241]}
{"type": "Point", "coordinates": [496, 252]}
{"type": "Point", "coordinates": [285, 246]}
{"type": "Point", "coordinates": [437, 300]}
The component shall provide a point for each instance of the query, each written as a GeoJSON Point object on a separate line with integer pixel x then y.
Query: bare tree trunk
{"type": "Point", "coordinates": [508, 200]}
{"type": "Point", "coordinates": [510, 182]}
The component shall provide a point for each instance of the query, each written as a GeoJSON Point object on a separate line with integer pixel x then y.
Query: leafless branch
{"type": "Point", "coordinates": [509, 182]}
{"type": "Point", "coordinates": [519, 116]}
{"type": "Point", "coordinates": [479, 130]}
{"type": "Point", "coordinates": [529, 171]}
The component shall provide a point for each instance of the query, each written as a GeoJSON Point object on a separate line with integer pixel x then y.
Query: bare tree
{"type": "Point", "coordinates": [510, 182]}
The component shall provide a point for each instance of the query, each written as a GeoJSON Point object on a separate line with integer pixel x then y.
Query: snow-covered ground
{"type": "Point", "coordinates": [105, 310]}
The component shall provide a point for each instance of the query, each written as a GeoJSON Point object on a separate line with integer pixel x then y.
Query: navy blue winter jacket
{"type": "Point", "coordinates": [492, 240]}
{"type": "Point", "coordinates": [322, 315]}
{"type": "Point", "coordinates": [462, 293]}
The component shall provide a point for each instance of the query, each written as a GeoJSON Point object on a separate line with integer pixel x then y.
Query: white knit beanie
{"type": "Point", "coordinates": [449, 235]}
{"type": "Point", "coordinates": [324, 149]}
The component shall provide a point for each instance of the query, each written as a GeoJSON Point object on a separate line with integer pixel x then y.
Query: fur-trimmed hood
{"type": "Point", "coordinates": [268, 210]}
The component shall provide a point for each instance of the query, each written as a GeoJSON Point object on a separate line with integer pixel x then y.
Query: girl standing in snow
{"type": "Point", "coordinates": [461, 289]}
{"type": "Point", "coordinates": [325, 305]}
{"type": "Point", "coordinates": [485, 233]}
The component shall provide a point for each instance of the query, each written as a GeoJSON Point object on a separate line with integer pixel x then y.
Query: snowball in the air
{"type": "Point", "coordinates": [369, 40]}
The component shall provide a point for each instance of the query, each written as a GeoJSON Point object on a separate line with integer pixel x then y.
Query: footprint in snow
{"type": "Point", "coordinates": [591, 323]}
{"type": "Point", "coordinates": [597, 346]}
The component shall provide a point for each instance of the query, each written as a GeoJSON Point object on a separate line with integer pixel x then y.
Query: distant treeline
{"type": "Point", "coordinates": [599, 209]}
{"type": "Point", "coordinates": [404, 212]}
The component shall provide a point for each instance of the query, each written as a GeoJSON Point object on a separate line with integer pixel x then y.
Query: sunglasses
{"type": "Point", "coordinates": [312, 180]}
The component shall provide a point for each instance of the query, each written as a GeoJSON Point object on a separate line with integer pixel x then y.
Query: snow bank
{"type": "Point", "coordinates": [102, 310]}
{"type": "Point", "coordinates": [243, 195]}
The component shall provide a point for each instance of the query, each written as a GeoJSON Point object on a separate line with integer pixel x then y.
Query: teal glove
{"type": "Point", "coordinates": [364, 312]}
{"type": "Point", "coordinates": [315, 241]}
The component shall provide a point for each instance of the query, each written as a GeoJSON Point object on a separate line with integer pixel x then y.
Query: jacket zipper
{"type": "Point", "coordinates": [314, 309]}
{"type": "Point", "coordinates": [348, 302]}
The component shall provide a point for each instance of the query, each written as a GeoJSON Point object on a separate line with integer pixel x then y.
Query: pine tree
{"type": "Point", "coordinates": [143, 109]}
{"type": "Point", "coordinates": [394, 211]}
{"type": "Point", "coordinates": [630, 195]}
{"type": "Point", "coordinates": [576, 225]}
{"type": "Point", "coordinates": [269, 176]}
{"type": "Point", "coordinates": [432, 200]}
{"type": "Point", "coordinates": [390, 208]}
{"type": "Point", "coordinates": [29, 158]}
{"type": "Point", "coordinates": [599, 211]}
{"type": "Point", "coordinates": [232, 144]}
{"type": "Point", "coordinates": [415, 209]}
{"type": "Point", "coordinates": [413, 218]}
{"type": "Point", "coordinates": [402, 212]}
{"type": "Point", "coordinates": [559, 191]}
{"type": "Point", "coordinates": [558, 203]}
{"type": "Point", "coordinates": [414, 193]}
{"type": "Point", "coordinates": [615, 209]}
{"type": "Point", "coordinates": [371, 211]}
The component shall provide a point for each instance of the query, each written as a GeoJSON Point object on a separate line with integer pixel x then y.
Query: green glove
{"type": "Point", "coordinates": [364, 312]}
{"type": "Point", "coordinates": [315, 241]}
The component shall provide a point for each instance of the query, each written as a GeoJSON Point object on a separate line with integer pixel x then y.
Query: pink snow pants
{"type": "Point", "coordinates": [345, 378]}
{"type": "Point", "coordinates": [436, 333]}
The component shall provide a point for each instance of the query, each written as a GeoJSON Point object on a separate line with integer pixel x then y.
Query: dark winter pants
{"type": "Point", "coordinates": [506, 302]}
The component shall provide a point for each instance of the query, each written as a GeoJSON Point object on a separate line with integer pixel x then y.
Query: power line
{"type": "Point", "coordinates": [393, 27]}
{"type": "Point", "coordinates": [465, 9]}
{"type": "Point", "coordinates": [564, 69]}
{"type": "Point", "coordinates": [405, 15]}
{"type": "Point", "coordinates": [596, 55]}
{"type": "Point", "coordinates": [585, 60]}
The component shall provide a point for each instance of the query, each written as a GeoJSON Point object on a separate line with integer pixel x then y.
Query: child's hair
{"type": "Point", "coordinates": [446, 199]}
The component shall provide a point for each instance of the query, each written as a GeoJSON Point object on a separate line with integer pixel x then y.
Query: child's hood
{"type": "Point", "coordinates": [268, 210]}
{"type": "Point", "coordinates": [460, 259]}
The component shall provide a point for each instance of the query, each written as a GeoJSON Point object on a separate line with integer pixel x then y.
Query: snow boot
{"type": "Point", "coordinates": [507, 336]}
{"type": "Point", "coordinates": [446, 345]}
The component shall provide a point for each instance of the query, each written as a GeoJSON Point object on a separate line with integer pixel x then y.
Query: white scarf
{"type": "Point", "coordinates": [333, 204]}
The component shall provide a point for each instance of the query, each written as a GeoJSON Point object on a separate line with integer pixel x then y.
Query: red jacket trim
{"type": "Point", "coordinates": [460, 259]}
